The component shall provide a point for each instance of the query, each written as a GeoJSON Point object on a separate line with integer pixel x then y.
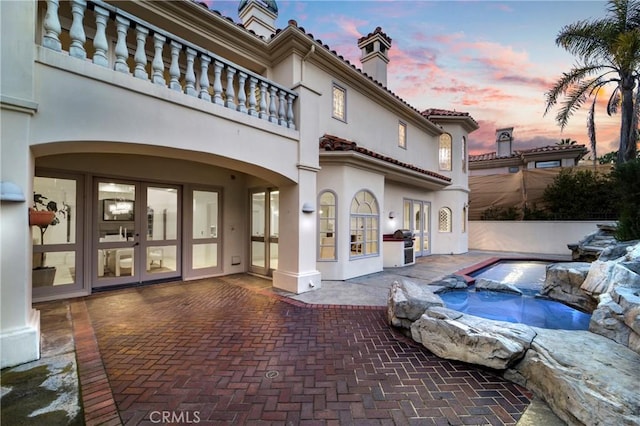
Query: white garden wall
{"type": "Point", "coordinates": [547, 237]}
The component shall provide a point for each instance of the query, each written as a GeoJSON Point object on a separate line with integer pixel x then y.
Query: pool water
{"type": "Point", "coordinates": [526, 308]}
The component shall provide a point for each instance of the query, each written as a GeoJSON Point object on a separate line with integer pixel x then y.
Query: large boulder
{"type": "Point", "coordinates": [493, 285]}
{"type": "Point", "coordinates": [608, 321]}
{"type": "Point", "coordinates": [585, 378]}
{"type": "Point", "coordinates": [563, 281]}
{"type": "Point", "coordinates": [453, 335]}
{"type": "Point", "coordinates": [408, 301]}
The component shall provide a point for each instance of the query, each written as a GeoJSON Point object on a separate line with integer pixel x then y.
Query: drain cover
{"type": "Point", "coordinates": [271, 374]}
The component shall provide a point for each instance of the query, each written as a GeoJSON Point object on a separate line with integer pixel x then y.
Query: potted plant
{"type": "Point", "coordinates": [43, 214]}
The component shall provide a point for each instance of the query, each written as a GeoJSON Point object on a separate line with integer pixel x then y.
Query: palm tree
{"type": "Point", "coordinates": [608, 52]}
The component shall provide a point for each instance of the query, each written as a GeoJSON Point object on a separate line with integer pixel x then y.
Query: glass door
{"type": "Point", "coordinates": [264, 231]}
{"type": "Point", "coordinates": [417, 219]}
{"type": "Point", "coordinates": [58, 241]}
{"type": "Point", "coordinates": [206, 233]}
{"type": "Point", "coordinates": [159, 246]}
{"type": "Point", "coordinates": [136, 232]}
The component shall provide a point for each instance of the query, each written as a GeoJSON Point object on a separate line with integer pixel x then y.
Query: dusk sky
{"type": "Point", "coordinates": [492, 59]}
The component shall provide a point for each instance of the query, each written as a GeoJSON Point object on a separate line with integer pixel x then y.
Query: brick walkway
{"type": "Point", "coordinates": [211, 352]}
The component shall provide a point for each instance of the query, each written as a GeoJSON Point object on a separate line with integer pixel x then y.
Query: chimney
{"type": "Point", "coordinates": [504, 142]}
{"type": "Point", "coordinates": [259, 16]}
{"type": "Point", "coordinates": [375, 48]}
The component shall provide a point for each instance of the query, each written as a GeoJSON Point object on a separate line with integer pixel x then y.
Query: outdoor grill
{"type": "Point", "coordinates": [406, 236]}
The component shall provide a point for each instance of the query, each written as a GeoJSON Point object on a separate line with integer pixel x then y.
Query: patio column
{"type": "Point", "coordinates": [20, 324]}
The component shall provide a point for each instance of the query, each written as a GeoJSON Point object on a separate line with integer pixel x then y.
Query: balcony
{"type": "Point", "coordinates": [102, 35]}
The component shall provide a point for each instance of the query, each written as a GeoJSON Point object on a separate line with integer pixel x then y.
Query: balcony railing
{"type": "Point", "coordinates": [187, 67]}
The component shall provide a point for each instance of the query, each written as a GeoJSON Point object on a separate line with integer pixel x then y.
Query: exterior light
{"type": "Point", "coordinates": [11, 192]}
{"type": "Point", "coordinates": [392, 215]}
{"type": "Point", "coordinates": [308, 208]}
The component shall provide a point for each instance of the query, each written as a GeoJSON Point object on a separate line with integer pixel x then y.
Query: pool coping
{"type": "Point", "coordinates": [465, 273]}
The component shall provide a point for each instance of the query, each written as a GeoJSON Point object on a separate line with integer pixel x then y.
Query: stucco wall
{"type": "Point", "coordinates": [528, 236]}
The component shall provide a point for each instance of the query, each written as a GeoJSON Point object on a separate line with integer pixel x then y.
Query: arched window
{"type": "Point", "coordinates": [364, 225]}
{"type": "Point", "coordinates": [327, 226]}
{"type": "Point", "coordinates": [444, 220]}
{"type": "Point", "coordinates": [444, 152]}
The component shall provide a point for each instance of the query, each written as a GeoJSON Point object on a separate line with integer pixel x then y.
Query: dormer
{"type": "Point", "coordinates": [375, 55]}
{"type": "Point", "coordinates": [259, 16]}
{"type": "Point", "coordinates": [504, 142]}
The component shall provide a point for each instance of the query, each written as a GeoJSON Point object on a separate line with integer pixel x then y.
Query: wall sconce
{"type": "Point", "coordinates": [307, 208]}
{"type": "Point", "coordinates": [392, 215]}
{"type": "Point", "coordinates": [11, 192]}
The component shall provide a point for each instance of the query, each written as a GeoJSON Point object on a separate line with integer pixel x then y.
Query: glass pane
{"type": "Point", "coordinates": [406, 216]}
{"type": "Point", "coordinates": [162, 214]}
{"type": "Point", "coordinates": [116, 213]}
{"type": "Point", "coordinates": [257, 253]}
{"type": "Point", "coordinates": [57, 195]}
{"type": "Point", "coordinates": [274, 218]}
{"type": "Point", "coordinates": [257, 214]}
{"type": "Point", "coordinates": [54, 268]}
{"type": "Point", "coordinates": [425, 227]}
{"type": "Point", "coordinates": [116, 262]}
{"type": "Point", "coordinates": [161, 259]}
{"type": "Point", "coordinates": [205, 214]}
{"type": "Point", "coordinates": [205, 256]}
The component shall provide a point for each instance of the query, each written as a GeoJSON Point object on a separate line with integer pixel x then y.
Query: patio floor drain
{"type": "Point", "coordinates": [272, 374]}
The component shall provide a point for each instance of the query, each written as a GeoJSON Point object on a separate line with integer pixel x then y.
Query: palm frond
{"type": "Point", "coordinates": [614, 102]}
{"type": "Point", "coordinates": [591, 129]}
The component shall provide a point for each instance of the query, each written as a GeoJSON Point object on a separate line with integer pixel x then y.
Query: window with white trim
{"type": "Point", "coordinates": [402, 135]}
{"type": "Point", "coordinates": [444, 152]}
{"type": "Point", "coordinates": [327, 226]}
{"type": "Point", "coordinates": [339, 103]}
{"type": "Point", "coordinates": [464, 154]}
{"type": "Point", "coordinates": [364, 225]}
{"type": "Point", "coordinates": [444, 220]}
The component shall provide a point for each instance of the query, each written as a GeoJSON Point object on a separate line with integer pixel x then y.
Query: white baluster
{"type": "Point", "coordinates": [189, 74]}
{"type": "Point", "coordinates": [282, 118]}
{"type": "Point", "coordinates": [272, 104]}
{"type": "Point", "coordinates": [157, 65]}
{"type": "Point", "coordinates": [217, 83]}
{"type": "Point", "coordinates": [230, 93]}
{"type": "Point", "coordinates": [52, 28]}
{"type": "Point", "coordinates": [174, 69]}
{"type": "Point", "coordinates": [122, 53]}
{"type": "Point", "coordinates": [141, 56]}
{"type": "Point", "coordinates": [290, 123]}
{"type": "Point", "coordinates": [263, 101]}
{"type": "Point", "coordinates": [76, 32]}
{"type": "Point", "coordinates": [242, 96]}
{"type": "Point", "coordinates": [204, 78]}
{"type": "Point", "coordinates": [100, 40]}
{"type": "Point", "coordinates": [252, 96]}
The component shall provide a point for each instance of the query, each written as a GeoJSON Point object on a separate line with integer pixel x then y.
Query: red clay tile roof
{"type": "Point", "coordinates": [519, 153]}
{"type": "Point", "coordinates": [334, 143]}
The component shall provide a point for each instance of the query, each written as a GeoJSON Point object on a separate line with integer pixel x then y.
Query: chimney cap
{"type": "Point", "coordinates": [269, 4]}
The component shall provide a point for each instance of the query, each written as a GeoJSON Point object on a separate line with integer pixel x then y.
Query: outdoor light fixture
{"type": "Point", "coordinates": [392, 215]}
{"type": "Point", "coordinates": [307, 208]}
{"type": "Point", "coordinates": [11, 192]}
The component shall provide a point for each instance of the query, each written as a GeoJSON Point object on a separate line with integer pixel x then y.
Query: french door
{"type": "Point", "coordinates": [264, 231]}
{"type": "Point", "coordinates": [416, 217]}
{"type": "Point", "coordinates": [136, 232]}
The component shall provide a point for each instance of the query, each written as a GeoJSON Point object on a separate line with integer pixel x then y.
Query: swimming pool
{"type": "Point", "coordinates": [527, 308]}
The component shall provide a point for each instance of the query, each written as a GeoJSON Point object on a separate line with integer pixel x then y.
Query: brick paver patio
{"type": "Point", "coordinates": [212, 352]}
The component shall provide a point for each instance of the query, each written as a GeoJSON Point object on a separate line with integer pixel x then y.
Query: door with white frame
{"type": "Point", "coordinates": [203, 239]}
{"type": "Point", "coordinates": [136, 232]}
{"type": "Point", "coordinates": [58, 246]}
{"type": "Point", "coordinates": [265, 205]}
{"type": "Point", "coordinates": [416, 217]}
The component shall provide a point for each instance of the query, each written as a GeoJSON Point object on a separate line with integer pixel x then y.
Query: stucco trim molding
{"type": "Point", "coordinates": [23, 344]}
{"type": "Point", "coordinates": [19, 105]}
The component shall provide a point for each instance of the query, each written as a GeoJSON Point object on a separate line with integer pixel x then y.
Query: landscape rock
{"type": "Point", "coordinates": [408, 301]}
{"type": "Point", "coordinates": [608, 321]}
{"type": "Point", "coordinates": [591, 247]}
{"type": "Point", "coordinates": [453, 335]}
{"type": "Point", "coordinates": [493, 285]}
{"type": "Point", "coordinates": [450, 282]}
{"type": "Point", "coordinates": [563, 282]}
{"type": "Point", "coordinates": [585, 378]}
